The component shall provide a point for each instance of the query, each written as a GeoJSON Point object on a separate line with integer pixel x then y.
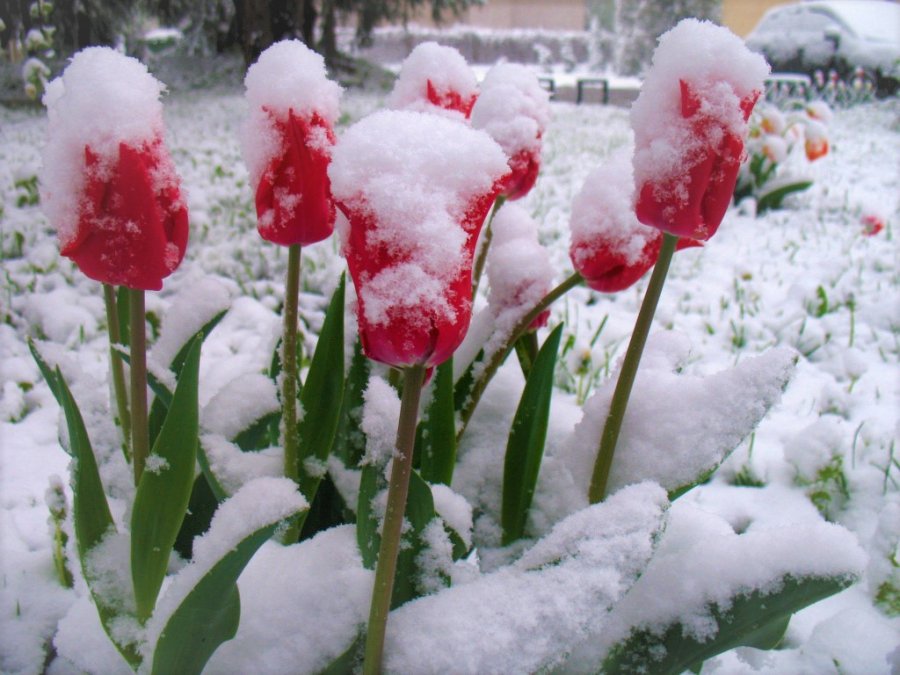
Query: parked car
{"type": "Point", "coordinates": [833, 35]}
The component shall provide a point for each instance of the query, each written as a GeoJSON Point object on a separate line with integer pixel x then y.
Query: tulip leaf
{"type": "Point", "coordinates": [50, 377]}
{"type": "Point", "coordinates": [437, 442]}
{"type": "Point", "coordinates": [755, 619]}
{"type": "Point", "coordinates": [349, 440]}
{"type": "Point", "coordinates": [212, 480]}
{"type": "Point", "coordinates": [367, 538]}
{"type": "Point", "coordinates": [260, 434]}
{"type": "Point", "coordinates": [321, 399]}
{"type": "Point", "coordinates": [159, 389]}
{"type": "Point", "coordinates": [463, 387]}
{"type": "Point", "coordinates": [165, 488]}
{"type": "Point", "coordinates": [774, 198]}
{"type": "Point", "coordinates": [90, 510]}
{"type": "Point", "coordinates": [161, 402]}
{"type": "Point", "coordinates": [419, 512]}
{"type": "Point", "coordinates": [209, 614]}
{"type": "Point", "coordinates": [201, 508]}
{"type": "Point", "coordinates": [525, 447]}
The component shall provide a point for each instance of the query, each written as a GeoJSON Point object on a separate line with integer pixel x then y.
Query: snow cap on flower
{"type": "Point", "coordinates": [771, 119]}
{"type": "Point", "coordinates": [108, 184]}
{"type": "Point", "coordinates": [873, 223]}
{"type": "Point", "coordinates": [690, 122]}
{"type": "Point", "coordinates": [610, 248]}
{"type": "Point", "coordinates": [515, 110]}
{"type": "Point", "coordinates": [518, 267]}
{"type": "Point", "coordinates": [775, 148]}
{"type": "Point", "coordinates": [435, 79]}
{"type": "Point", "coordinates": [415, 188]}
{"type": "Point", "coordinates": [819, 110]}
{"type": "Point", "coordinates": [287, 140]}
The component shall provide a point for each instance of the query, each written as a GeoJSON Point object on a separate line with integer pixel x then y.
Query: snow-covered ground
{"type": "Point", "coordinates": [804, 277]}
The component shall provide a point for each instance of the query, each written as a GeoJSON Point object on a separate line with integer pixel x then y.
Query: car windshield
{"type": "Point", "coordinates": [875, 20]}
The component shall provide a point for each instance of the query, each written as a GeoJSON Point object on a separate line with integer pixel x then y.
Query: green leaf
{"type": "Point", "coordinates": [437, 450]}
{"type": "Point", "coordinates": [419, 512]}
{"type": "Point", "coordinates": [163, 398]}
{"type": "Point", "coordinates": [93, 519]}
{"type": "Point", "coordinates": [201, 508]}
{"type": "Point", "coordinates": [349, 439]}
{"type": "Point", "coordinates": [321, 398]}
{"type": "Point", "coordinates": [525, 447]}
{"type": "Point", "coordinates": [756, 619]}
{"type": "Point", "coordinates": [210, 613]}
{"type": "Point", "coordinates": [774, 198]}
{"type": "Point", "coordinates": [159, 389]}
{"type": "Point", "coordinates": [367, 538]}
{"type": "Point", "coordinates": [212, 481]}
{"type": "Point", "coordinates": [261, 434]}
{"type": "Point", "coordinates": [50, 377]}
{"type": "Point", "coordinates": [464, 384]}
{"type": "Point", "coordinates": [348, 661]}
{"type": "Point", "coordinates": [163, 495]}
{"type": "Point", "coordinates": [90, 510]}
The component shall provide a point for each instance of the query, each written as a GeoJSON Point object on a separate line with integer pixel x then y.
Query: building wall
{"type": "Point", "coordinates": [742, 15]}
{"type": "Point", "coordinates": [506, 14]}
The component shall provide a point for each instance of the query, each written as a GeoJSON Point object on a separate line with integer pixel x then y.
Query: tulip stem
{"type": "Point", "coordinates": [498, 357]}
{"type": "Point", "coordinates": [117, 370]}
{"type": "Point", "coordinates": [398, 490]}
{"type": "Point", "coordinates": [291, 440]}
{"type": "Point", "coordinates": [140, 434]}
{"type": "Point", "coordinates": [486, 237]}
{"type": "Point", "coordinates": [619, 403]}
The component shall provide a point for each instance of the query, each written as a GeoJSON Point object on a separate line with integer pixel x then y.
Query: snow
{"type": "Point", "coordinates": [288, 76]}
{"type": "Point", "coordinates": [721, 72]}
{"type": "Point", "coordinates": [102, 99]}
{"type": "Point", "coordinates": [441, 69]}
{"type": "Point", "coordinates": [748, 300]}
{"type": "Point", "coordinates": [414, 176]}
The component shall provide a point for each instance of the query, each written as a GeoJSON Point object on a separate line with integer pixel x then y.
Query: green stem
{"type": "Point", "coordinates": [398, 489]}
{"type": "Point", "coordinates": [629, 370]}
{"type": "Point", "coordinates": [486, 237]}
{"type": "Point", "coordinates": [117, 370]}
{"type": "Point", "coordinates": [497, 358]}
{"type": "Point", "coordinates": [140, 434]}
{"type": "Point", "coordinates": [291, 440]}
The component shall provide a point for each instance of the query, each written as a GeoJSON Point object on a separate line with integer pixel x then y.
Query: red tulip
{"type": "Point", "coordinates": [524, 167]}
{"type": "Point", "coordinates": [514, 109]}
{"type": "Point", "coordinates": [293, 198]}
{"type": "Point", "coordinates": [606, 268]}
{"type": "Point", "coordinates": [435, 78]}
{"type": "Point", "coordinates": [693, 203]}
{"type": "Point", "coordinates": [610, 248]}
{"type": "Point", "coordinates": [416, 189]}
{"type": "Point", "coordinates": [132, 225]}
{"type": "Point", "coordinates": [450, 99]}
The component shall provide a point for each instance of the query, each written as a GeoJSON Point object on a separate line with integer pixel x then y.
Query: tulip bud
{"type": "Point", "coordinates": [690, 124]}
{"type": "Point", "coordinates": [514, 109]}
{"type": "Point", "coordinates": [108, 183]}
{"type": "Point", "coordinates": [287, 143]}
{"type": "Point", "coordinates": [435, 79]}
{"type": "Point", "coordinates": [415, 189]}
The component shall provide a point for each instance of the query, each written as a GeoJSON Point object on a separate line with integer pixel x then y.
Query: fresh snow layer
{"type": "Point", "coordinates": [444, 69]}
{"type": "Point", "coordinates": [513, 108]}
{"type": "Point", "coordinates": [288, 76]}
{"type": "Point", "coordinates": [102, 99]}
{"type": "Point", "coordinates": [720, 70]}
{"type": "Point", "coordinates": [524, 617]}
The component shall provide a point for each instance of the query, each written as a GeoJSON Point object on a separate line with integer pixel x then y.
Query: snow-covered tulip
{"type": "Point", "coordinates": [108, 183]}
{"type": "Point", "coordinates": [435, 79]}
{"type": "Point", "coordinates": [514, 109]}
{"type": "Point", "coordinates": [816, 143]}
{"type": "Point", "coordinates": [287, 143]}
{"type": "Point", "coordinates": [519, 269]}
{"type": "Point", "coordinates": [416, 189]}
{"type": "Point", "coordinates": [690, 124]}
{"type": "Point", "coordinates": [610, 247]}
